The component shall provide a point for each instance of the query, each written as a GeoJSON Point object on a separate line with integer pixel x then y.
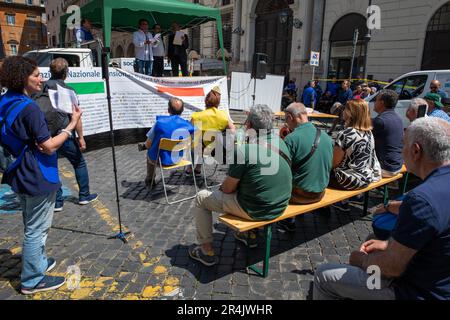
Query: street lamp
{"type": "Point", "coordinates": [367, 39]}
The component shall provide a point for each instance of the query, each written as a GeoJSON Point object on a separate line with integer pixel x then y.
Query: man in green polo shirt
{"type": "Point", "coordinates": [258, 186]}
{"type": "Point", "coordinates": [311, 169]}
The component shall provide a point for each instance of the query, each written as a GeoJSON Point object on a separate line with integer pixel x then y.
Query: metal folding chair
{"type": "Point", "coordinates": [175, 146]}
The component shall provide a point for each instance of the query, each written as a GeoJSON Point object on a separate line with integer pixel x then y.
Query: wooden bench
{"type": "Point", "coordinates": [332, 196]}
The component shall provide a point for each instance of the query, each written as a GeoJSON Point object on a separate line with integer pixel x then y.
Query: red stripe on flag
{"type": "Point", "coordinates": [183, 92]}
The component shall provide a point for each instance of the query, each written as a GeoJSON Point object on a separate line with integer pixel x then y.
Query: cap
{"type": "Point", "coordinates": [436, 98]}
{"type": "Point", "coordinates": [217, 90]}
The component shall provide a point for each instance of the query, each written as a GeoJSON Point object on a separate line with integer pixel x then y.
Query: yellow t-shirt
{"type": "Point", "coordinates": [211, 119]}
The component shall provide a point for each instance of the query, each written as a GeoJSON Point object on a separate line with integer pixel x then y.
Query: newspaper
{"type": "Point", "coordinates": [178, 39]}
{"type": "Point", "coordinates": [63, 99]}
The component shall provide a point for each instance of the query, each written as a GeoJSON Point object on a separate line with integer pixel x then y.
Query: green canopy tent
{"type": "Point", "coordinates": [123, 16]}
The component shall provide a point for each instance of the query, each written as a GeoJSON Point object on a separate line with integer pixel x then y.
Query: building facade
{"type": "Point", "coordinates": [414, 35]}
{"type": "Point", "coordinates": [23, 26]}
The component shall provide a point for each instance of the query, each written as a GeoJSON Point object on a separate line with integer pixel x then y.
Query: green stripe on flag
{"type": "Point", "coordinates": [88, 87]}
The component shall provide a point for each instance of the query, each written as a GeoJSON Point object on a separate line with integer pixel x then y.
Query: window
{"type": "Point", "coordinates": [10, 19]}
{"type": "Point", "coordinates": [13, 49]}
{"type": "Point", "coordinates": [410, 87]}
{"type": "Point", "coordinates": [73, 60]}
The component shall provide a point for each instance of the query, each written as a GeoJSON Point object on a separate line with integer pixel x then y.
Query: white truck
{"type": "Point", "coordinates": [76, 57]}
{"type": "Point", "coordinates": [413, 85]}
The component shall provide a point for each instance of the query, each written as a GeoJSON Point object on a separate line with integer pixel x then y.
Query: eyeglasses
{"type": "Point", "coordinates": [432, 88]}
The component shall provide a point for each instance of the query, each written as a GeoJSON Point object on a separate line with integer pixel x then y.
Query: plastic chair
{"type": "Point", "coordinates": [175, 146]}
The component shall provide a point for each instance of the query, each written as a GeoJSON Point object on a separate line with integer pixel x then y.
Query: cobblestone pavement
{"type": "Point", "coordinates": [154, 264]}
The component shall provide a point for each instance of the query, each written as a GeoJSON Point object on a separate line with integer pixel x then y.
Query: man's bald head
{"type": "Point", "coordinates": [297, 109]}
{"type": "Point", "coordinates": [176, 106]}
{"type": "Point", "coordinates": [435, 85]}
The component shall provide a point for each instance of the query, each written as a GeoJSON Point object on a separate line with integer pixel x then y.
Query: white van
{"type": "Point", "coordinates": [413, 85]}
{"type": "Point", "coordinates": [76, 57]}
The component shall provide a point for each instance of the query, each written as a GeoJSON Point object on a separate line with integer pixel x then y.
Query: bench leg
{"type": "Point", "coordinates": [405, 183]}
{"type": "Point", "coordinates": [385, 194]}
{"type": "Point", "coordinates": [366, 203]}
{"type": "Point", "coordinates": [268, 239]}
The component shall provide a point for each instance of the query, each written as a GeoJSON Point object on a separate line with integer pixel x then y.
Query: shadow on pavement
{"type": "Point", "coordinates": [10, 268]}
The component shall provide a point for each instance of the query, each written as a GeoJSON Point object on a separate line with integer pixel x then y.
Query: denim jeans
{"type": "Point", "coordinates": [72, 152]}
{"type": "Point", "coordinates": [145, 67]}
{"type": "Point", "coordinates": [37, 219]}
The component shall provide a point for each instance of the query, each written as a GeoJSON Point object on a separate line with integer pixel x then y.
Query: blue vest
{"type": "Point", "coordinates": [169, 127]}
{"type": "Point", "coordinates": [47, 164]}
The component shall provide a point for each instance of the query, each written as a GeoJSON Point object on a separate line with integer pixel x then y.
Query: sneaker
{"type": "Point", "coordinates": [341, 206]}
{"type": "Point", "coordinates": [58, 208]}
{"type": "Point", "coordinates": [287, 225]}
{"type": "Point", "coordinates": [51, 264]}
{"type": "Point", "coordinates": [47, 284]}
{"type": "Point", "coordinates": [247, 238]}
{"type": "Point", "coordinates": [358, 200]}
{"type": "Point", "coordinates": [196, 253]}
{"type": "Point", "coordinates": [89, 199]}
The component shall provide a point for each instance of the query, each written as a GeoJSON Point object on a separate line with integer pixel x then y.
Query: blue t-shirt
{"type": "Point", "coordinates": [388, 133]}
{"type": "Point", "coordinates": [438, 113]}
{"type": "Point", "coordinates": [424, 225]}
{"type": "Point", "coordinates": [31, 127]}
{"type": "Point", "coordinates": [345, 96]}
{"type": "Point", "coordinates": [333, 88]}
{"type": "Point", "coordinates": [309, 96]}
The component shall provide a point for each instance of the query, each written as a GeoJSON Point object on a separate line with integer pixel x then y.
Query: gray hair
{"type": "Point", "coordinates": [415, 103]}
{"type": "Point", "coordinates": [296, 109]}
{"type": "Point", "coordinates": [389, 97]}
{"type": "Point", "coordinates": [260, 117]}
{"type": "Point", "coordinates": [433, 135]}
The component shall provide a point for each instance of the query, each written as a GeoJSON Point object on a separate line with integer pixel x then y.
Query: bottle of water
{"type": "Point", "coordinates": [240, 136]}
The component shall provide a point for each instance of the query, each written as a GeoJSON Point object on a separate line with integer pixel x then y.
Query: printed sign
{"type": "Point", "coordinates": [315, 58]}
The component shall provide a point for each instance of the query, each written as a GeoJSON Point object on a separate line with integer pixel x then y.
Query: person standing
{"type": "Point", "coordinates": [143, 43]}
{"type": "Point", "coordinates": [34, 175]}
{"type": "Point", "coordinates": [310, 95]}
{"type": "Point", "coordinates": [74, 147]}
{"type": "Point", "coordinates": [84, 33]}
{"type": "Point", "coordinates": [177, 52]}
{"type": "Point", "coordinates": [345, 93]}
{"type": "Point", "coordinates": [158, 52]}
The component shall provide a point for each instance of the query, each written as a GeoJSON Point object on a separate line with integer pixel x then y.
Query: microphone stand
{"type": "Point", "coordinates": [105, 74]}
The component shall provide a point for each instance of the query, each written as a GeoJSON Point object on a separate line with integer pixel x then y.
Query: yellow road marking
{"type": "Point", "coordinates": [169, 285]}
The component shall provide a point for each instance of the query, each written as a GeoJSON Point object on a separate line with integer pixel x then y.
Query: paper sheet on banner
{"type": "Point", "coordinates": [268, 91]}
{"type": "Point", "coordinates": [136, 99]}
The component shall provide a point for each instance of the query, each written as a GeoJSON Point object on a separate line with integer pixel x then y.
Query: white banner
{"type": "Point", "coordinates": [268, 91]}
{"type": "Point", "coordinates": [136, 99]}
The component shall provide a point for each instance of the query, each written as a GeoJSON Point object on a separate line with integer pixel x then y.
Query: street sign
{"type": "Point", "coordinates": [315, 58]}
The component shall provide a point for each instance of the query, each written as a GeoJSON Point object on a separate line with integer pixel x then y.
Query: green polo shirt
{"type": "Point", "coordinates": [314, 175]}
{"type": "Point", "coordinates": [265, 184]}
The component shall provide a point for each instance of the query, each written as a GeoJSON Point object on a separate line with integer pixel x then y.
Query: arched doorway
{"type": "Point", "coordinates": [437, 45]}
{"type": "Point", "coordinates": [130, 51]}
{"type": "Point", "coordinates": [341, 47]}
{"type": "Point", "coordinates": [119, 52]}
{"type": "Point", "coordinates": [274, 34]}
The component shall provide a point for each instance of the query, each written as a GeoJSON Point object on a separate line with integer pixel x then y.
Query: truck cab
{"type": "Point", "coordinates": [76, 57]}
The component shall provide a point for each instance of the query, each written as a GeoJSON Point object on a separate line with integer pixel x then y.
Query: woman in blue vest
{"type": "Point", "coordinates": [34, 175]}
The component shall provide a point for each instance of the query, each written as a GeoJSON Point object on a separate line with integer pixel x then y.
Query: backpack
{"type": "Point", "coordinates": [55, 119]}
